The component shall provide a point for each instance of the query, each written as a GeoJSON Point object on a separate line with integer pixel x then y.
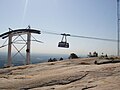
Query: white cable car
{"type": "Point", "coordinates": [63, 42]}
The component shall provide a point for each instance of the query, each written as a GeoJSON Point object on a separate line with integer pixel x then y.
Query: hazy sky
{"type": "Point", "coordinates": [95, 18]}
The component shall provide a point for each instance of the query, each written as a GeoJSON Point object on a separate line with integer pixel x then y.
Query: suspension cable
{"type": "Point", "coordinates": [79, 36]}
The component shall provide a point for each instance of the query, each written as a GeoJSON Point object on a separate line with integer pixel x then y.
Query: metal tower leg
{"type": "Point", "coordinates": [9, 50]}
{"type": "Point", "coordinates": [28, 48]}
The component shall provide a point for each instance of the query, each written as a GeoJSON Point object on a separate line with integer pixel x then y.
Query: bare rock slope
{"type": "Point", "coordinates": [76, 74]}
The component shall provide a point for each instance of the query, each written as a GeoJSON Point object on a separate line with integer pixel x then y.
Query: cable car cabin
{"type": "Point", "coordinates": [63, 44]}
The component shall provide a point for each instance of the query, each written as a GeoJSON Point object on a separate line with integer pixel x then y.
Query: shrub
{"type": "Point", "coordinates": [73, 56]}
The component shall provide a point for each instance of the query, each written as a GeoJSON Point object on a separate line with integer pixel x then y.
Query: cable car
{"type": "Point", "coordinates": [63, 42]}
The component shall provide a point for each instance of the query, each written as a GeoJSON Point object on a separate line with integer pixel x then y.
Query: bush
{"type": "Point", "coordinates": [52, 60]}
{"type": "Point", "coordinates": [73, 56]}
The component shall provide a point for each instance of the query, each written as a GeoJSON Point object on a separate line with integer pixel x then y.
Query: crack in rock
{"type": "Point", "coordinates": [64, 81]}
{"type": "Point", "coordinates": [88, 87]}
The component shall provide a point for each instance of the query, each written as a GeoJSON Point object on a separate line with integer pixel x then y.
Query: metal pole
{"type": "Point", "coordinates": [118, 27]}
{"type": "Point", "coordinates": [28, 48]}
{"type": "Point", "coordinates": [9, 49]}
